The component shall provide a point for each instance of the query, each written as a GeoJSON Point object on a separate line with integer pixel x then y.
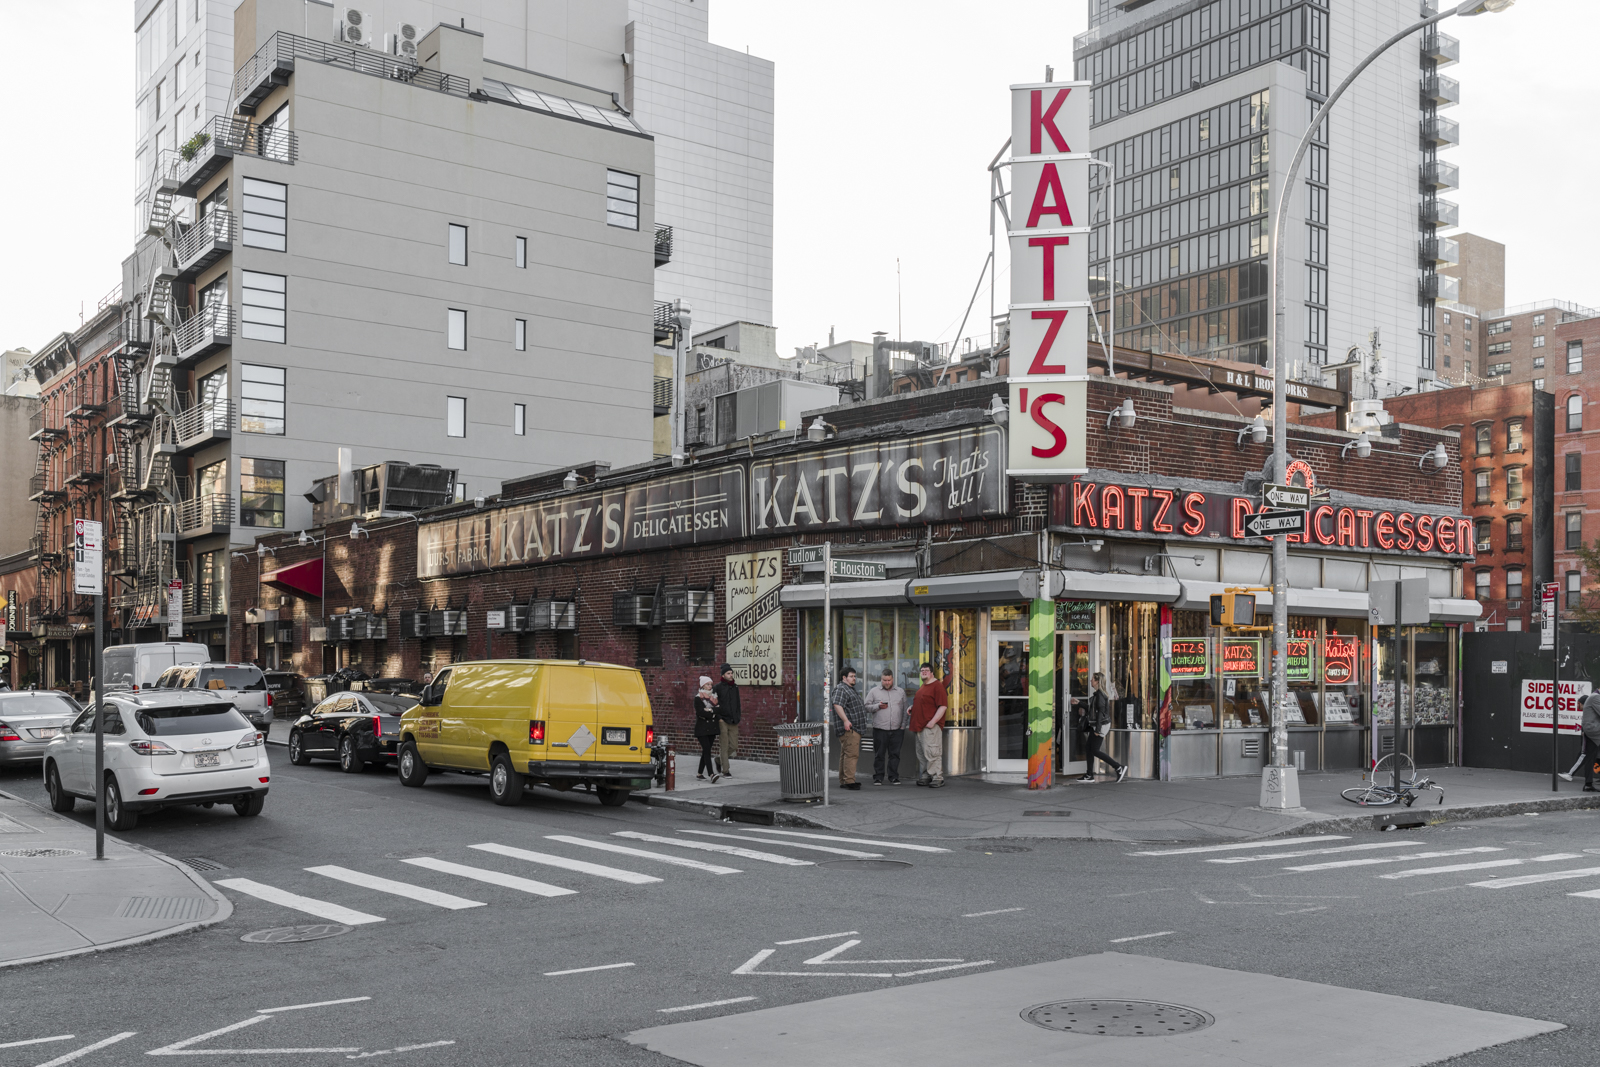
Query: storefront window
{"type": "Point", "coordinates": [1134, 660]}
{"type": "Point", "coordinates": [1305, 642]}
{"type": "Point", "coordinates": [956, 661]}
{"type": "Point", "coordinates": [870, 640]}
{"type": "Point", "coordinates": [1194, 691]}
{"type": "Point", "coordinates": [1435, 700]}
{"type": "Point", "coordinates": [1343, 646]}
{"type": "Point", "coordinates": [1244, 688]}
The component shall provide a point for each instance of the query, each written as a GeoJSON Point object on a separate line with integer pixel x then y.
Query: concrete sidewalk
{"type": "Point", "coordinates": [58, 900]}
{"type": "Point", "coordinates": [1186, 810]}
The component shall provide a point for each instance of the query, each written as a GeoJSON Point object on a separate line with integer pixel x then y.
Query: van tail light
{"type": "Point", "coordinates": [9, 733]}
{"type": "Point", "coordinates": [649, 736]}
{"type": "Point", "coordinates": [152, 748]}
{"type": "Point", "coordinates": [535, 731]}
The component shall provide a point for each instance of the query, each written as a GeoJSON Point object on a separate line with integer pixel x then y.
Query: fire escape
{"type": "Point", "coordinates": [47, 489]}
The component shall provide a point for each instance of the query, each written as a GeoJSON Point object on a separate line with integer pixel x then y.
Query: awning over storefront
{"type": "Point", "coordinates": [1330, 603]}
{"type": "Point", "coordinates": [1448, 609]}
{"type": "Point", "coordinates": [304, 578]}
{"type": "Point", "coordinates": [1091, 585]}
{"type": "Point", "coordinates": [1003, 587]}
{"type": "Point", "coordinates": [847, 594]}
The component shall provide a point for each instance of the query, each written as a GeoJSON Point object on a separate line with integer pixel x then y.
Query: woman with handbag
{"type": "Point", "coordinates": [705, 728]}
{"type": "Point", "coordinates": [1096, 725]}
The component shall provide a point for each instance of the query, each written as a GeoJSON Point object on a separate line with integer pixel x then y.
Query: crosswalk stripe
{"type": "Point", "coordinates": [399, 889]}
{"type": "Point", "coordinates": [676, 861]}
{"type": "Point", "coordinates": [510, 881]}
{"type": "Point", "coordinates": [616, 874]}
{"type": "Point", "coordinates": [848, 840]}
{"type": "Point", "coordinates": [1278, 843]}
{"type": "Point", "coordinates": [1590, 893]}
{"type": "Point", "coordinates": [1455, 868]}
{"type": "Point", "coordinates": [792, 844]}
{"type": "Point", "coordinates": [1530, 879]}
{"type": "Point", "coordinates": [712, 846]}
{"type": "Point", "coordinates": [322, 909]}
{"type": "Point", "coordinates": [1313, 852]}
{"type": "Point", "coordinates": [1371, 860]}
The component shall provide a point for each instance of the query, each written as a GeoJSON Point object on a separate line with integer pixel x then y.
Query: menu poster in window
{"type": "Point", "coordinates": [1191, 660]}
{"type": "Point", "coordinates": [1339, 652]}
{"type": "Point", "coordinates": [1075, 614]}
{"type": "Point", "coordinates": [1336, 708]}
{"type": "Point", "coordinates": [1241, 658]}
{"type": "Point", "coordinates": [1298, 662]}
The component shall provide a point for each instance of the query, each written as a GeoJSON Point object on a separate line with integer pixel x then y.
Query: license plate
{"type": "Point", "coordinates": [47, 732]}
{"type": "Point", "coordinates": [207, 759]}
{"type": "Point", "coordinates": [614, 735]}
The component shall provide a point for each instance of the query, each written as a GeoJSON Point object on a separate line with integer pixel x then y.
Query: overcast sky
{"type": "Point", "coordinates": [888, 114]}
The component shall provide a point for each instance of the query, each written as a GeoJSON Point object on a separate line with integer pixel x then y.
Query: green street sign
{"type": "Point", "coordinates": [858, 568]}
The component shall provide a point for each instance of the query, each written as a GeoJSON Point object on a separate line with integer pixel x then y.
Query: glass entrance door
{"type": "Point", "coordinates": [1008, 703]}
{"type": "Point", "coordinates": [1075, 660]}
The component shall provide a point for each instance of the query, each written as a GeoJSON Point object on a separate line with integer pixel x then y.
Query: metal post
{"type": "Point", "coordinates": [827, 662]}
{"type": "Point", "coordinates": [99, 730]}
{"type": "Point", "coordinates": [680, 356]}
{"type": "Point", "coordinates": [1110, 335]}
{"type": "Point", "coordinates": [1555, 708]}
{"type": "Point", "coordinates": [1399, 688]}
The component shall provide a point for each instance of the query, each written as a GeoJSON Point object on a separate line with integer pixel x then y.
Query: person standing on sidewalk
{"type": "Point", "coordinates": [928, 708]}
{"type": "Point", "coordinates": [1096, 724]}
{"type": "Point", "coordinates": [705, 728]}
{"type": "Point", "coordinates": [849, 713]}
{"type": "Point", "coordinates": [727, 693]}
{"type": "Point", "coordinates": [887, 702]}
{"type": "Point", "coordinates": [1591, 740]}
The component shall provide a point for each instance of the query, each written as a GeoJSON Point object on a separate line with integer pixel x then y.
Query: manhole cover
{"type": "Point", "coordinates": [999, 849]}
{"type": "Point", "coordinates": [283, 935]}
{"type": "Point", "coordinates": [39, 853]}
{"type": "Point", "coordinates": [867, 865]}
{"type": "Point", "coordinates": [1118, 1018]}
{"type": "Point", "coordinates": [200, 863]}
{"type": "Point", "coordinates": [1049, 813]}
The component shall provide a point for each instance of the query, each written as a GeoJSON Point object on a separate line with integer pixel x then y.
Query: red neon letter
{"type": "Point", "coordinates": [1364, 516]}
{"type": "Point", "coordinates": [1057, 434]}
{"type": "Point", "coordinates": [1083, 504]}
{"type": "Point", "coordinates": [1383, 529]}
{"type": "Point", "coordinates": [1108, 509]}
{"type": "Point", "coordinates": [1465, 542]}
{"type": "Point", "coordinates": [1057, 316]}
{"type": "Point", "coordinates": [1424, 533]}
{"type": "Point", "coordinates": [1049, 244]}
{"type": "Point", "coordinates": [1347, 527]}
{"type": "Point", "coordinates": [1196, 521]}
{"type": "Point", "coordinates": [1040, 120]}
{"type": "Point", "coordinates": [1159, 524]}
{"type": "Point", "coordinates": [1242, 509]}
{"type": "Point", "coordinates": [1136, 497]}
{"type": "Point", "coordinates": [1445, 533]}
{"type": "Point", "coordinates": [1049, 183]}
{"type": "Point", "coordinates": [1324, 535]}
{"type": "Point", "coordinates": [1408, 533]}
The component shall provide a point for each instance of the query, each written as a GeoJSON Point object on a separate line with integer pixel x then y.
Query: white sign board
{"type": "Point", "coordinates": [1050, 307]}
{"type": "Point", "coordinates": [1536, 705]}
{"type": "Point", "coordinates": [755, 617]}
{"type": "Point", "coordinates": [1547, 627]}
{"type": "Point", "coordinates": [175, 608]}
{"type": "Point", "coordinates": [87, 564]}
{"type": "Point", "coordinates": [494, 620]}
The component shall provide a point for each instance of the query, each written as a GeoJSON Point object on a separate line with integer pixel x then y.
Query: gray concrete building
{"type": "Point", "coordinates": [17, 454]}
{"type": "Point", "coordinates": [1199, 103]}
{"type": "Point", "coordinates": [447, 261]}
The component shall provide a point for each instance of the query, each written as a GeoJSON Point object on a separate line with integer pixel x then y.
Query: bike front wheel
{"type": "Point", "coordinates": [1382, 772]}
{"type": "Point", "coordinates": [1369, 796]}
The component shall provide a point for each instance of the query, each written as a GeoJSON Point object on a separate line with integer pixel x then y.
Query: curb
{"type": "Point", "coordinates": [1437, 816]}
{"type": "Point", "coordinates": [224, 905]}
{"type": "Point", "coordinates": [732, 812]}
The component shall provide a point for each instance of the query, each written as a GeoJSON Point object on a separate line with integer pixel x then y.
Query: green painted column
{"type": "Point", "coordinates": [1041, 694]}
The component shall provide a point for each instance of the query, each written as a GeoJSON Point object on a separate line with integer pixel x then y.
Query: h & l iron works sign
{"type": "Point", "coordinates": [959, 474]}
{"type": "Point", "coordinates": [684, 509]}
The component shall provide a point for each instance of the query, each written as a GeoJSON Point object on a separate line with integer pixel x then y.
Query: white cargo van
{"type": "Point", "coordinates": [136, 667]}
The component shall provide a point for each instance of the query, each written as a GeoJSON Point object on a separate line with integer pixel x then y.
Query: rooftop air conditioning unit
{"type": "Point", "coordinates": [356, 27]}
{"type": "Point", "coordinates": [405, 41]}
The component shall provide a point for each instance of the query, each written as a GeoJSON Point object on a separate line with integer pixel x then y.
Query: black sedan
{"type": "Point", "coordinates": [354, 728]}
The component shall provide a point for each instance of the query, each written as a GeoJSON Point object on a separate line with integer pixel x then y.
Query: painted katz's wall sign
{"type": "Point", "coordinates": [1164, 512]}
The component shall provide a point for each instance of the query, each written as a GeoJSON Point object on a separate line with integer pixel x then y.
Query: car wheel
{"type": "Point", "coordinates": [350, 761]}
{"type": "Point", "coordinates": [117, 816]}
{"type": "Point", "coordinates": [614, 798]}
{"type": "Point", "coordinates": [251, 806]}
{"type": "Point", "coordinates": [505, 784]}
{"type": "Point", "coordinates": [60, 799]}
{"type": "Point", "coordinates": [297, 749]}
{"type": "Point", "coordinates": [413, 771]}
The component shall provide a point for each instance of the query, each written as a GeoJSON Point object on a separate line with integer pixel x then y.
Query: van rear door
{"type": "Point", "coordinates": [572, 728]}
{"type": "Point", "coordinates": [624, 713]}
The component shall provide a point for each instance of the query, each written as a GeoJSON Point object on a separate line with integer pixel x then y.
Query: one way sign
{"type": "Point", "coordinates": [1263, 523]}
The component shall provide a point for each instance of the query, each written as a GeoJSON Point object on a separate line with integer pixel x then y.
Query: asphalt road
{"type": "Point", "coordinates": [469, 985]}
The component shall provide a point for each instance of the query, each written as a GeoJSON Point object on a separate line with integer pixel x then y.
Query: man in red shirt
{"type": "Point", "coordinates": [927, 722]}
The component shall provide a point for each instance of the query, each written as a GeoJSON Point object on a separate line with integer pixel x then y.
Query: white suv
{"type": "Point", "coordinates": [162, 749]}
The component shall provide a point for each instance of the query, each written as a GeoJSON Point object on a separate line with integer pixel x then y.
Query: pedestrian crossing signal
{"type": "Point", "coordinates": [1233, 609]}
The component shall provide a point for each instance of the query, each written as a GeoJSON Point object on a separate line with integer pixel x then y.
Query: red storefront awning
{"type": "Point", "coordinates": [304, 578]}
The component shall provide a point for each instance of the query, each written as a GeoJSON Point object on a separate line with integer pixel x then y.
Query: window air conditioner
{"type": "Point", "coordinates": [356, 27]}
{"type": "Point", "coordinates": [405, 41]}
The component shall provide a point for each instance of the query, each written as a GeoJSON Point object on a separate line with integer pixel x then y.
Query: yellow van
{"type": "Point", "coordinates": [556, 722]}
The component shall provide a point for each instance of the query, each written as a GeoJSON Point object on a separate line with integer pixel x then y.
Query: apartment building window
{"type": "Point", "coordinates": [1481, 483]}
{"type": "Point", "coordinates": [1494, 329]}
{"type": "Point", "coordinates": [1467, 343]}
{"type": "Point", "coordinates": [262, 399]}
{"type": "Point", "coordinates": [210, 582]}
{"type": "Point", "coordinates": [1498, 348]}
{"type": "Point", "coordinates": [1574, 472]}
{"type": "Point", "coordinates": [458, 244]}
{"type": "Point", "coordinates": [1513, 626]}
{"type": "Point", "coordinates": [1574, 588]}
{"type": "Point", "coordinates": [521, 335]}
{"type": "Point", "coordinates": [1574, 413]}
{"type": "Point", "coordinates": [1538, 383]}
{"type": "Point", "coordinates": [261, 492]}
{"type": "Point", "coordinates": [456, 329]}
{"type": "Point", "coordinates": [1481, 585]}
{"type": "Point", "coordinates": [522, 251]}
{"type": "Point", "coordinates": [519, 419]}
{"type": "Point", "coordinates": [1447, 318]}
{"type": "Point", "coordinates": [1574, 529]}
{"type": "Point", "coordinates": [1574, 357]}
{"type": "Point", "coordinates": [264, 215]}
{"type": "Point", "coordinates": [1514, 532]}
{"type": "Point", "coordinates": [1513, 435]}
{"type": "Point", "coordinates": [1538, 341]}
{"type": "Point", "coordinates": [1447, 340]}
{"type": "Point", "coordinates": [460, 493]}
{"type": "Point", "coordinates": [1466, 321]}
{"type": "Point", "coordinates": [1538, 321]}
{"type": "Point", "coordinates": [622, 199]}
{"type": "Point", "coordinates": [1538, 362]}
{"type": "Point", "coordinates": [1513, 583]}
{"type": "Point", "coordinates": [1481, 530]}
{"type": "Point", "coordinates": [649, 648]}
{"type": "Point", "coordinates": [1497, 370]}
{"type": "Point", "coordinates": [1484, 439]}
{"type": "Point", "coordinates": [455, 416]}
{"type": "Point", "coordinates": [263, 310]}
{"type": "Point", "coordinates": [1513, 486]}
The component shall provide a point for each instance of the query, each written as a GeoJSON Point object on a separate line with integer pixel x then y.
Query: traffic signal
{"type": "Point", "coordinates": [1233, 609]}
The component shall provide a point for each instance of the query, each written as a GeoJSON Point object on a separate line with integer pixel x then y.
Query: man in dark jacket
{"type": "Point", "coordinates": [727, 692]}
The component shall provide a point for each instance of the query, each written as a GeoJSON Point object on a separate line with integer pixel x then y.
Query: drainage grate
{"type": "Point", "coordinates": [1118, 1018]}
{"type": "Point", "coordinates": [286, 935]}
{"type": "Point", "coordinates": [1050, 813]}
{"type": "Point", "coordinates": [866, 865]}
{"type": "Point", "coordinates": [998, 849]}
{"type": "Point", "coordinates": [200, 863]}
{"type": "Point", "coordinates": [39, 853]}
{"type": "Point", "coordinates": [183, 909]}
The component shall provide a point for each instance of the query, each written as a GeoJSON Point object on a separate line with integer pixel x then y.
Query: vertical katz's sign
{"type": "Point", "coordinates": [755, 617]}
{"type": "Point", "coordinates": [1050, 307]}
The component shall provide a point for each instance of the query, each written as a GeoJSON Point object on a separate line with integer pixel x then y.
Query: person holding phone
{"type": "Point", "coordinates": [1096, 725]}
{"type": "Point", "coordinates": [887, 703]}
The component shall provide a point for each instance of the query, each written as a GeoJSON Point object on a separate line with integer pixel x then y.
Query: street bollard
{"type": "Point", "coordinates": [672, 766]}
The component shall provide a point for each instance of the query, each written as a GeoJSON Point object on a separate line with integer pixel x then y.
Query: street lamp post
{"type": "Point", "coordinates": [1279, 786]}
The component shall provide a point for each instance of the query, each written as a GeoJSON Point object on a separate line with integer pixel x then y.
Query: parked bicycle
{"type": "Point", "coordinates": [1378, 788]}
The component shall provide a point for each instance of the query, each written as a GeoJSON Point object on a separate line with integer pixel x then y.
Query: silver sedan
{"type": "Point", "coordinates": [28, 720]}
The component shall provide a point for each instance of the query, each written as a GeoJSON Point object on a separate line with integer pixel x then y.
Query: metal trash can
{"type": "Point", "coordinates": [800, 769]}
